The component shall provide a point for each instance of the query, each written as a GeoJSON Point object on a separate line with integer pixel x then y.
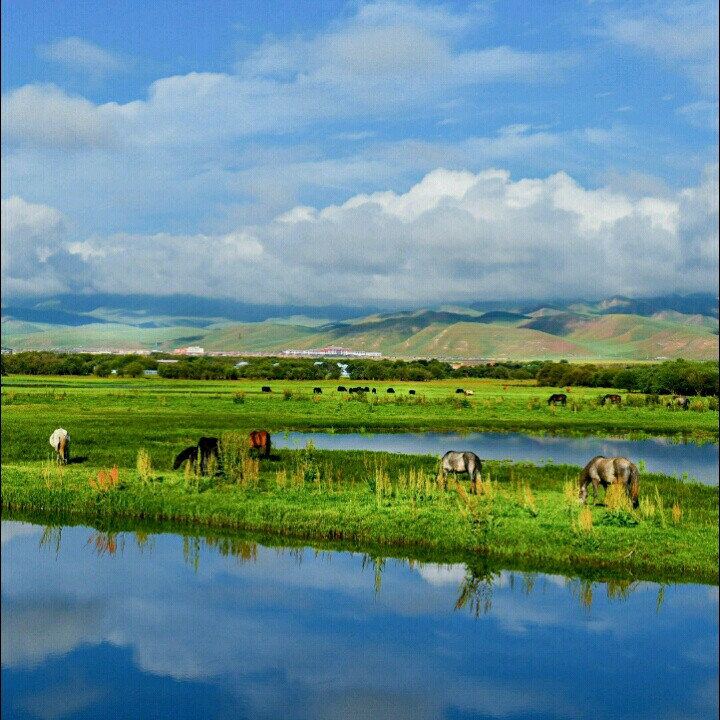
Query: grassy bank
{"type": "Point", "coordinates": [526, 517]}
{"type": "Point", "coordinates": [110, 419]}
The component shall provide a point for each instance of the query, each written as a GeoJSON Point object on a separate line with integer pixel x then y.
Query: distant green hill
{"type": "Point", "coordinates": [580, 331]}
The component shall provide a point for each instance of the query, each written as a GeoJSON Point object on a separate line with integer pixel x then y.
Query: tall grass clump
{"type": "Point", "coordinates": [51, 472]}
{"type": "Point", "coordinates": [237, 464]}
{"type": "Point", "coordinates": [617, 500]}
{"type": "Point", "coordinates": [571, 491]}
{"type": "Point", "coordinates": [585, 520]}
{"type": "Point", "coordinates": [660, 507]}
{"type": "Point", "coordinates": [676, 513]}
{"type": "Point", "coordinates": [145, 467]}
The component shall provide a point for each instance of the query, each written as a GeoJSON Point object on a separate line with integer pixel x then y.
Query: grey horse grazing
{"type": "Point", "coordinates": [60, 440]}
{"type": "Point", "coordinates": [456, 462]}
{"type": "Point", "coordinates": [605, 471]}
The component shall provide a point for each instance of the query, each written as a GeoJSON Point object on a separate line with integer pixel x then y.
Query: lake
{"type": "Point", "coordinates": [668, 456]}
{"type": "Point", "coordinates": [164, 626]}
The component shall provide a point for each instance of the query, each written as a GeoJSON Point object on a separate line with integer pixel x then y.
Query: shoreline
{"type": "Point", "coordinates": [523, 518]}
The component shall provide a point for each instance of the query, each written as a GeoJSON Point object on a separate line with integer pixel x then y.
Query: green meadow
{"type": "Point", "coordinates": [125, 434]}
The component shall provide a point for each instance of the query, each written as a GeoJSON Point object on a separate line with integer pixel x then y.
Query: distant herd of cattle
{"type": "Point", "coordinates": [359, 389]}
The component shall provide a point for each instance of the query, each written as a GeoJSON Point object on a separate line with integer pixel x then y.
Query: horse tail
{"type": "Point", "coordinates": [268, 444]}
{"type": "Point", "coordinates": [64, 448]}
{"type": "Point", "coordinates": [634, 484]}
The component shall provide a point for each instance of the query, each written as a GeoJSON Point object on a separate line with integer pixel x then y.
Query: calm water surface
{"type": "Point", "coordinates": [137, 626]}
{"type": "Point", "coordinates": [660, 455]}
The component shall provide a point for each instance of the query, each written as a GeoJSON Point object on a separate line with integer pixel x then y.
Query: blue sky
{"type": "Point", "coordinates": [387, 153]}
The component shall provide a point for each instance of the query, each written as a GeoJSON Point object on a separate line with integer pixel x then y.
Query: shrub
{"type": "Point", "coordinates": [106, 480]}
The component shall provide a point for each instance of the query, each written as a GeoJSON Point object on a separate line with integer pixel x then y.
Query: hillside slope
{"type": "Point", "coordinates": [580, 331]}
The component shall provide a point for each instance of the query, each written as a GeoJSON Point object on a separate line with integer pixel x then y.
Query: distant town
{"type": "Point", "coordinates": [195, 350]}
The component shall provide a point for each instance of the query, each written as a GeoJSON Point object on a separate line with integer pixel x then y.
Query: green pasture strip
{"type": "Point", "coordinates": [105, 416]}
{"type": "Point", "coordinates": [526, 517]}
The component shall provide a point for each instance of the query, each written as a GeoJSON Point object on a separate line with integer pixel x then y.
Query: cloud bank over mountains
{"type": "Point", "coordinates": [453, 236]}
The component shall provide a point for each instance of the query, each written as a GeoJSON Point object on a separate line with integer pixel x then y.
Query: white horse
{"type": "Point", "coordinates": [60, 440]}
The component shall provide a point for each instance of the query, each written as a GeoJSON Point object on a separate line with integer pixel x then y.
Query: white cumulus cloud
{"type": "Point", "coordinates": [454, 235]}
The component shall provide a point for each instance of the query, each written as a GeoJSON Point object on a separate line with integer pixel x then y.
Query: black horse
{"type": "Point", "coordinates": [206, 448]}
{"type": "Point", "coordinates": [557, 398]}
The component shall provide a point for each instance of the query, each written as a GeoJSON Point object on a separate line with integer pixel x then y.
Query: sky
{"type": "Point", "coordinates": [389, 153]}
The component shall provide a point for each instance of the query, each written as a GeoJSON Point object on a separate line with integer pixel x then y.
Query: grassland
{"type": "Point", "coordinates": [126, 433]}
{"type": "Point", "coordinates": [165, 413]}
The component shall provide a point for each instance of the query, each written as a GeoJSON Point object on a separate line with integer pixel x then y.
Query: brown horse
{"type": "Point", "coordinates": [605, 471]}
{"type": "Point", "coordinates": [557, 398]}
{"type": "Point", "coordinates": [260, 440]}
{"type": "Point", "coordinates": [612, 399]}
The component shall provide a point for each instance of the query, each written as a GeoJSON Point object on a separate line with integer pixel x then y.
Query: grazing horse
{"type": "Point", "coordinates": [60, 440]}
{"type": "Point", "coordinates": [260, 440]}
{"type": "Point", "coordinates": [605, 471]}
{"type": "Point", "coordinates": [456, 462]}
{"type": "Point", "coordinates": [266, 388]}
{"type": "Point", "coordinates": [613, 399]}
{"type": "Point", "coordinates": [206, 448]}
{"type": "Point", "coordinates": [189, 453]}
{"type": "Point", "coordinates": [681, 401]}
{"type": "Point", "coordinates": [317, 391]}
{"type": "Point", "coordinates": [557, 398]}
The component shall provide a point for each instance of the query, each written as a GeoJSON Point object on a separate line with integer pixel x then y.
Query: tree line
{"type": "Point", "coordinates": [683, 377]}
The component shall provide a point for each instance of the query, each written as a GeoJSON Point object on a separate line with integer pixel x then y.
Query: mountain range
{"type": "Point", "coordinates": [616, 328]}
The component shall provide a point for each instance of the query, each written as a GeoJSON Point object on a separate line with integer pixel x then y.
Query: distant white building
{"type": "Point", "coordinates": [333, 351]}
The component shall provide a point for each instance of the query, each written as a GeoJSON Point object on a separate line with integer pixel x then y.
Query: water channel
{"type": "Point", "coordinates": [164, 626]}
{"type": "Point", "coordinates": [669, 456]}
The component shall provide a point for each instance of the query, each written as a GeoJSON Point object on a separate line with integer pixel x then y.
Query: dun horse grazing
{"type": "Point", "coordinates": [260, 440]}
{"type": "Point", "coordinates": [557, 398]}
{"type": "Point", "coordinates": [605, 471]}
{"type": "Point", "coordinates": [60, 440]}
{"type": "Point", "coordinates": [206, 448]}
{"type": "Point", "coordinates": [681, 401]}
{"type": "Point", "coordinates": [612, 399]}
{"type": "Point", "coordinates": [456, 462]}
